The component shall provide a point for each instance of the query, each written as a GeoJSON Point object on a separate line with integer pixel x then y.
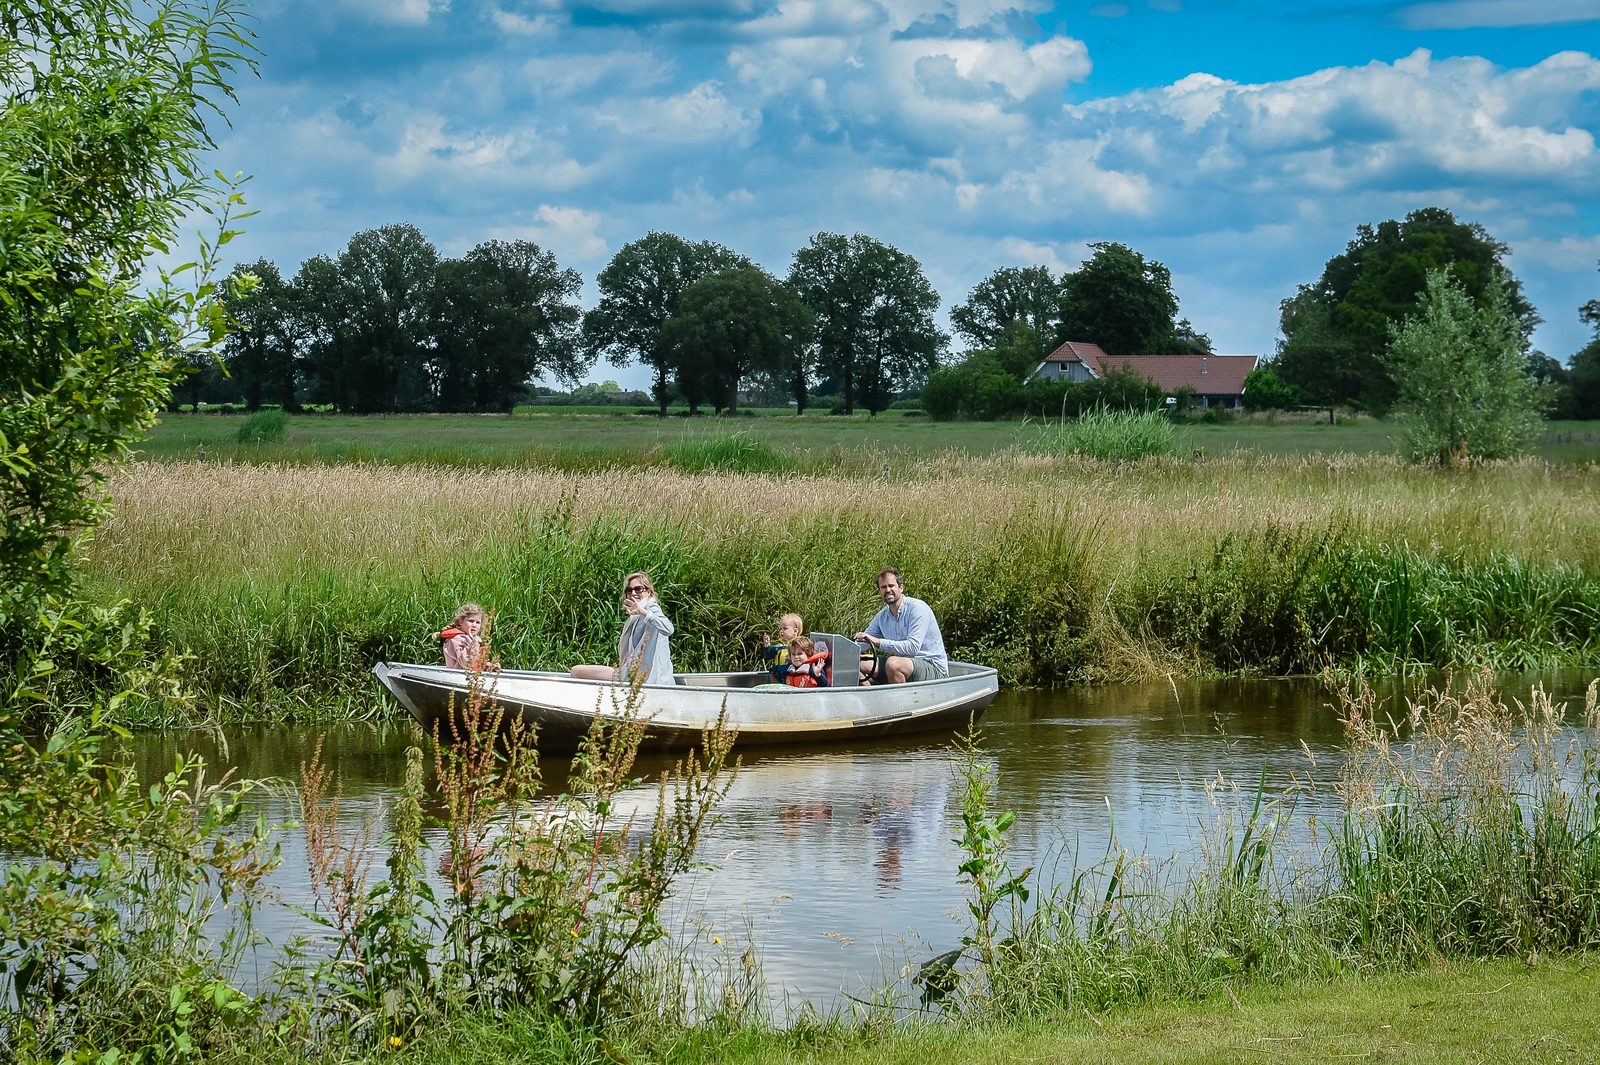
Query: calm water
{"type": "Point", "coordinates": [840, 862]}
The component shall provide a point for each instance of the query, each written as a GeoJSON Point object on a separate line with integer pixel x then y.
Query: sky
{"type": "Point", "coordinates": [1239, 142]}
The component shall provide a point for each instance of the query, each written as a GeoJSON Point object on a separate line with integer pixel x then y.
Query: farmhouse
{"type": "Point", "coordinates": [1217, 380]}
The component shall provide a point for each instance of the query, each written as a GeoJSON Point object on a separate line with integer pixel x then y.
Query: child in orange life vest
{"type": "Point", "coordinates": [463, 641]}
{"type": "Point", "coordinates": [777, 654]}
{"type": "Point", "coordinates": [808, 667]}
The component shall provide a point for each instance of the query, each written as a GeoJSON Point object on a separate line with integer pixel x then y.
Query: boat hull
{"type": "Point", "coordinates": [564, 708]}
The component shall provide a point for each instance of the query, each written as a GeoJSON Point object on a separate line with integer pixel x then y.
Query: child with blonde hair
{"type": "Point", "coordinates": [464, 647]}
{"type": "Point", "coordinates": [777, 654]}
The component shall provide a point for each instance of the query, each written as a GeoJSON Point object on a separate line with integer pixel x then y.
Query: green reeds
{"type": "Point", "coordinates": [1470, 829]}
{"type": "Point", "coordinates": [285, 584]}
{"type": "Point", "coordinates": [723, 452]}
{"type": "Point", "coordinates": [1108, 435]}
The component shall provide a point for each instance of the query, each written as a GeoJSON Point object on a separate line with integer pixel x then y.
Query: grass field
{"type": "Point", "coordinates": [589, 439]}
{"type": "Point", "coordinates": [294, 578]}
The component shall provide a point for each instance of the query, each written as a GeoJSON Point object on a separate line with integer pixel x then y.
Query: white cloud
{"type": "Point", "coordinates": [1006, 66]}
{"type": "Point", "coordinates": [1056, 258]}
{"type": "Point", "coordinates": [516, 24]}
{"type": "Point", "coordinates": [1344, 126]}
{"type": "Point", "coordinates": [815, 19]}
{"type": "Point", "coordinates": [701, 114]}
{"type": "Point", "coordinates": [620, 72]}
{"type": "Point", "coordinates": [1467, 14]}
{"type": "Point", "coordinates": [397, 12]}
{"type": "Point", "coordinates": [571, 233]}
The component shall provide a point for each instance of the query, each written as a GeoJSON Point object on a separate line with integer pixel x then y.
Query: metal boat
{"type": "Point", "coordinates": [564, 707]}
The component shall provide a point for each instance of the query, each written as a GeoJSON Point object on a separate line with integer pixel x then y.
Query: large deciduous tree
{"type": "Point", "coordinates": [640, 289]}
{"type": "Point", "coordinates": [262, 349]}
{"type": "Point", "coordinates": [322, 323]}
{"type": "Point", "coordinates": [874, 312]}
{"type": "Point", "coordinates": [503, 314]}
{"type": "Point", "coordinates": [1012, 299]}
{"type": "Point", "coordinates": [1460, 369]}
{"type": "Point", "coordinates": [387, 276]}
{"type": "Point", "coordinates": [1336, 331]}
{"type": "Point", "coordinates": [1124, 302]}
{"type": "Point", "coordinates": [1580, 392]}
{"type": "Point", "coordinates": [367, 320]}
{"type": "Point", "coordinates": [106, 112]}
{"type": "Point", "coordinates": [735, 324]}
{"type": "Point", "coordinates": [902, 344]}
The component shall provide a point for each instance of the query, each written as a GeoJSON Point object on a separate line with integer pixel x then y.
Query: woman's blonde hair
{"type": "Point", "coordinates": [642, 577]}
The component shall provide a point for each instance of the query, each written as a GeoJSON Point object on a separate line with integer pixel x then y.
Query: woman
{"type": "Point", "coordinates": [642, 650]}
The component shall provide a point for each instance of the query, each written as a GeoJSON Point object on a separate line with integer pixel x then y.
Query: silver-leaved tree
{"type": "Point", "coordinates": [1461, 367]}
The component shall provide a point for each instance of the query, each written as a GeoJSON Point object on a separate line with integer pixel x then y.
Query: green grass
{"type": "Point", "coordinates": [1505, 1011]}
{"type": "Point", "coordinates": [1108, 435]}
{"type": "Point", "coordinates": [580, 439]}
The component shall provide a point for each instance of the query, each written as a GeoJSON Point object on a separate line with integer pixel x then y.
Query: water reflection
{"type": "Point", "coordinates": [840, 863]}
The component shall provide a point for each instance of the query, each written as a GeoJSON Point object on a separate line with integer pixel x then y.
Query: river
{"type": "Point", "coordinates": [839, 863]}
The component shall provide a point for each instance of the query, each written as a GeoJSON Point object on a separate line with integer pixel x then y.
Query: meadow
{"type": "Point", "coordinates": [285, 580]}
{"type": "Point", "coordinates": [592, 438]}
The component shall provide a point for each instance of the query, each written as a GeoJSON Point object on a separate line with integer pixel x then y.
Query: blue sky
{"type": "Point", "coordinates": [1238, 142]}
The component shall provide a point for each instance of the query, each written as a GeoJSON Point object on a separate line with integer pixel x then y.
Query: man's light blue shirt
{"type": "Point", "coordinates": [914, 634]}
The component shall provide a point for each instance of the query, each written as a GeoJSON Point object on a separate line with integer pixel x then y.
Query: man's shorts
{"type": "Point", "coordinates": [921, 669]}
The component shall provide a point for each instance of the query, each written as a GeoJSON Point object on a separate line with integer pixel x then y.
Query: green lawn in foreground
{"type": "Point", "coordinates": [1501, 1011]}
{"type": "Point", "coordinates": [563, 438]}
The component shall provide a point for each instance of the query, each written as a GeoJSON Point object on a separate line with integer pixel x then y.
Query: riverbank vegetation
{"type": "Point", "coordinates": [1468, 831]}
{"type": "Point", "coordinates": [285, 583]}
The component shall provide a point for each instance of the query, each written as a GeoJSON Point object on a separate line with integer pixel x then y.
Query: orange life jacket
{"type": "Point", "coordinates": [803, 679]}
{"type": "Point", "coordinates": [480, 659]}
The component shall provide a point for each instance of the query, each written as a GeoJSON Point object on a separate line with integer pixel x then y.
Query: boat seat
{"type": "Point", "coordinates": [844, 659]}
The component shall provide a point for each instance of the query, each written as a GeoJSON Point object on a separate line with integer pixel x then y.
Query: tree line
{"type": "Point", "coordinates": [390, 325]}
{"type": "Point", "coordinates": [1337, 334]}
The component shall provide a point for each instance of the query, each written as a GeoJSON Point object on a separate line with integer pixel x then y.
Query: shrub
{"type": "Point", "coordinates": [263, 427]}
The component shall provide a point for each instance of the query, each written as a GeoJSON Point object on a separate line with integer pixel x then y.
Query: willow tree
{"type": "Point", "coordinates": [1461, 370]}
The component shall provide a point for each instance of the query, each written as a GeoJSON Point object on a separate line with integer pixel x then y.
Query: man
{"type": "Point", "coordinates": [905, 636]}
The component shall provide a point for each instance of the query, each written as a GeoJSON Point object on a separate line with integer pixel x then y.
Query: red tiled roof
{"type": "Point", "coordinates": [1208, 375]}
{"type": "Point", "coordinates": [1079, 351]}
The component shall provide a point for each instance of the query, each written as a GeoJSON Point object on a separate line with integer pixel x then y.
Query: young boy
{"type": "Point", "coordinates": [777, 654]}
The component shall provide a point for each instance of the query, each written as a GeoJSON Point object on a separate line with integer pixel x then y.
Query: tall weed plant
{"type": "Point", "coordinates": [1472, 828]}
{"type": "Point", "coordinates": [549, 902]}
{"type": "Point", "coordinates": [124, 905]}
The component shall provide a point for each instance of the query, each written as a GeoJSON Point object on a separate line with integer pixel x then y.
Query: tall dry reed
{"type": "Point", "coordinates": [288, 582]}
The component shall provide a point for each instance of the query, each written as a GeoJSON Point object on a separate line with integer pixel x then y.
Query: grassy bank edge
{"type": "Point", "coordinates": [1504, 1010]}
